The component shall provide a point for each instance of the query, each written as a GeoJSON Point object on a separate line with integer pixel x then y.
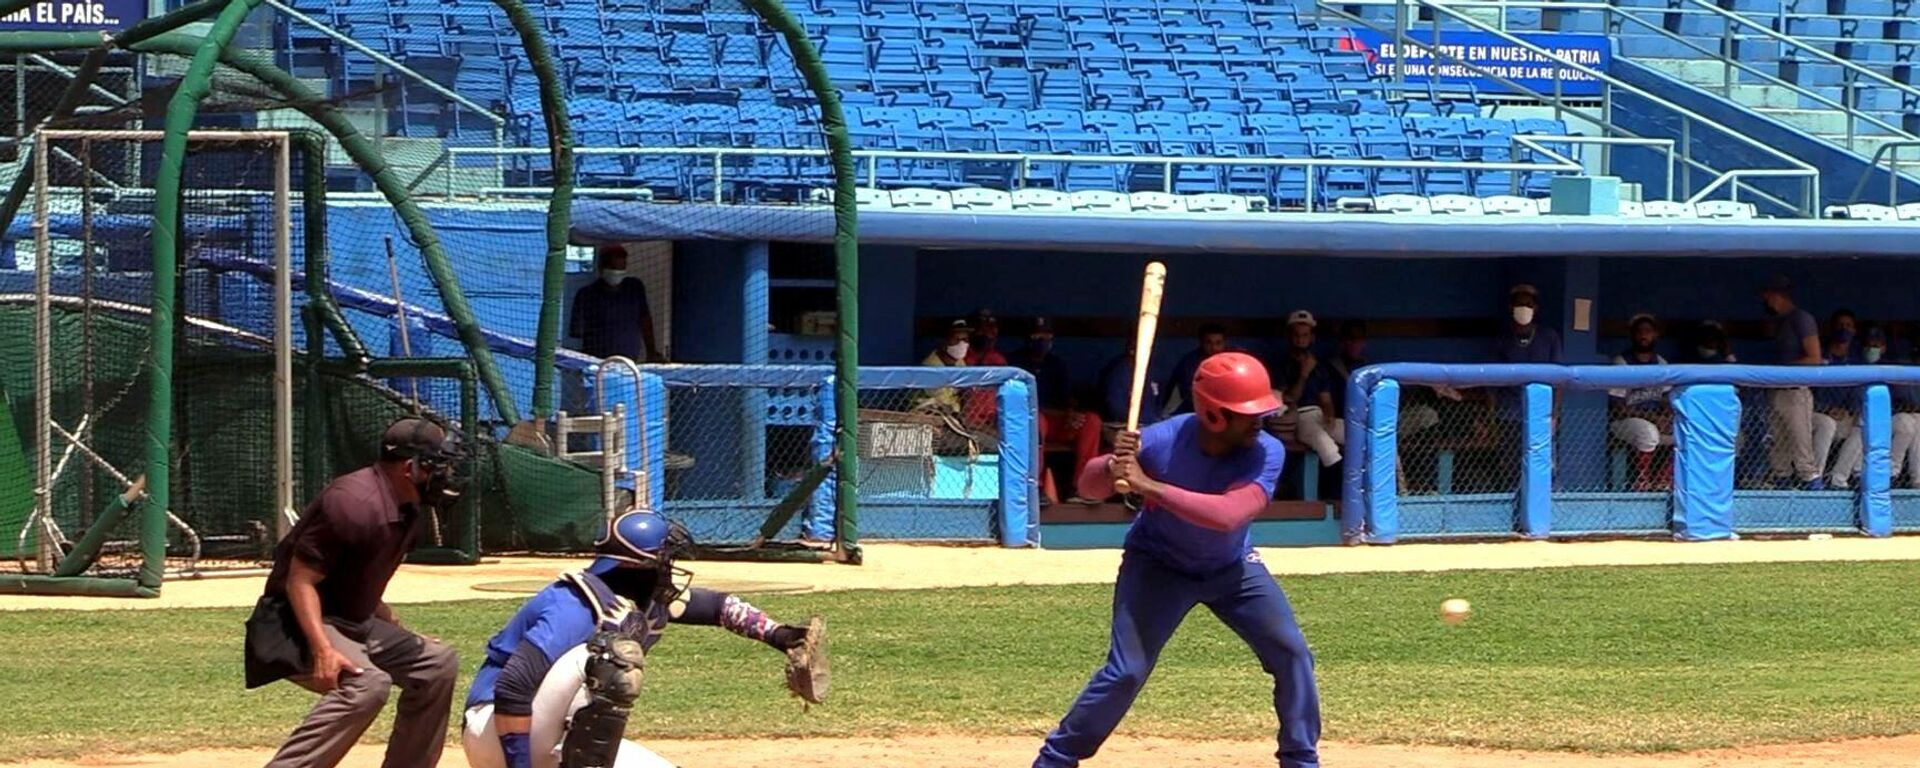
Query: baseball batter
{"type": "Point", "coordinates": [1203, 477]}
{"type": "Point", "coordinates": [560, 679]}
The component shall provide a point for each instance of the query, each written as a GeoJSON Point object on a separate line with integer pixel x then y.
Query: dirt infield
{"type": "Point", "coordinates": [1121, 752]}
{"type": "Point", "coordinates": [907, 566]}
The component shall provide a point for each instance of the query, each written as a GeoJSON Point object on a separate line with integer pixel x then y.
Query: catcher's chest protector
{"type": "Point", "coordinates": [613, 613]}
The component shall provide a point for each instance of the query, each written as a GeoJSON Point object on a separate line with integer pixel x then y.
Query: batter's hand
{"type": "Point", "coordinates": [328, 666]}
{"type": "Point", "coordinates": [1126, 445]}
{"type": "Point", "coordinates": [1128, 469]}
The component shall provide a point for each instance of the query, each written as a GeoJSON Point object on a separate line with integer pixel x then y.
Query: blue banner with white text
{"type": "Point", "coordinates": [76, 16]}
{"type": "Point", "coordinates": [1493, 56]}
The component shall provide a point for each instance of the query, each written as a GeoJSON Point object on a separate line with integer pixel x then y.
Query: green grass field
{"type": "Point", "coordinates": [1593, 659]}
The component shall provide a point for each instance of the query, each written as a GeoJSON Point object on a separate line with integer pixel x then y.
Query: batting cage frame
{"type": "Point", "coordinates": [66, 561]}
{"type": "Point", "coordinates": [1702, 504]}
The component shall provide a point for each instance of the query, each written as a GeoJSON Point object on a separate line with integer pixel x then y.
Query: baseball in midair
{"type": "Point", "coordinates": [1455, 610]}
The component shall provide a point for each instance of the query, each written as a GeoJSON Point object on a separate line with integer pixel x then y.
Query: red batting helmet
{"type": "Point", "coordinates": [1231, 381]}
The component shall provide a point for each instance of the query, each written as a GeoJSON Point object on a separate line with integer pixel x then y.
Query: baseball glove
{"type": "Point", "coordinates": [808, 674]}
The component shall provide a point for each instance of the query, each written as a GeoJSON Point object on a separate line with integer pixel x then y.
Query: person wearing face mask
{"type": "Point", "coordinates": [984, 347]}
{"type": "Point", "coordinates": [1710, 345]}
{"type": "Point", "coordinates": [611, 317]}
{"type": "Point", "coordinates": [1061, 424]}
{"type": "Point", "coordinates": [1308, 384]}
{"type": "Point", "coordinates": [1641, 417]}
{"type": "Point", "coordinates": [1523, 339]}
{"type": "Point", "coordinates": [950, 353]}
{"type": "Point", "coordinates": [1796, 341]}
{"type": "Point", "coordinates": [1842, 408]}
{"type": "Point", "coordinates": [323, 623]}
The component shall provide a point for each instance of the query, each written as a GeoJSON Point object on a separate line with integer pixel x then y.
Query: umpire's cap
{"type": "Point", "coordinates": [416, 438]}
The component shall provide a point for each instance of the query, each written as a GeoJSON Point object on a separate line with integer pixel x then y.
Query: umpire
{"type": "Point", "coordinates": [323, 622]}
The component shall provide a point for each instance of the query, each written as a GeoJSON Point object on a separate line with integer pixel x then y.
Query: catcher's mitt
{"type": "Point", "coordinates": [808, 674]}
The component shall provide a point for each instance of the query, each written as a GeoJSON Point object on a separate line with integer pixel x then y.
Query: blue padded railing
{"type": "Point", "coordinates": [1707, 422]}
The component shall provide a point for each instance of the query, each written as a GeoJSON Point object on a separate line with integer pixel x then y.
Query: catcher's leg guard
{"type": "Point", "coordinates": [615, 666]}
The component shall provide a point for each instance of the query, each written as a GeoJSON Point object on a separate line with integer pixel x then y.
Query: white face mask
{"type": "Point", "coordinates": [1872, 354]}
{"type": "Point", "coordinates": [612, 277]}
{"type": "Point", "coordinates": [1523, 315]}
{"type": "Point", "coordinates": [957, 350]}
{"type": "Point", "coordinates": [1707, 352]}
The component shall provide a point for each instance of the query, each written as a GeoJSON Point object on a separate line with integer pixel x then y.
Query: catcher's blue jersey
{"type": "Point", "coordinates": [560, 617]}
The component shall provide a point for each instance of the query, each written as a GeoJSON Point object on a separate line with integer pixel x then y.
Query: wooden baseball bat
{"type": "Point", "coordinates": [1151, 288]}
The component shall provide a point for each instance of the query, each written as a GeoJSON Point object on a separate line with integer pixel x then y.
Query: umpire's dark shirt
{"type": "Point", "coordinates": [357, 534]}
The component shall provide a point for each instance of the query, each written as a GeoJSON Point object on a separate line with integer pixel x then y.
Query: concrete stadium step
{"type": "Point", "coordinates": [1866, 146]}
{"type": "Point", "coordinates": [1765, 96]}
{"type": "Point", "coordinates": [1823, 122]}
{"type": "Point", "coordinates": [1698, 72]}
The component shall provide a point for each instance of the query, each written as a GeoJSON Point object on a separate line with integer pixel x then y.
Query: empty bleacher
{"type": "Point", "coordinates": [1172, 78]}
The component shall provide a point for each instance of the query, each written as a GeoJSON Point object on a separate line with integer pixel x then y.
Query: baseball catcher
{"type": "Point", "coordinates": [560, 680]}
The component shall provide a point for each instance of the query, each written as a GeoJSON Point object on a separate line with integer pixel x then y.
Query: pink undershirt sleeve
{"type": "Point", "coordinates": [1214, 511]}
{"type": "Point", "coordinates": [1095, 482]}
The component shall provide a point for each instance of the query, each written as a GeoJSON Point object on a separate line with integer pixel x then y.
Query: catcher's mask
{"type": "Point", "coordinates": [636, 557]}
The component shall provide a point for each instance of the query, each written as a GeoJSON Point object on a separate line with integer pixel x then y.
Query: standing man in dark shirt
{"type": "Point", "coordinates": [1796, 341]}
{"type": "Point", "coordinates": [611, 316]}
{"type": "Point", "coordinates": [324, 624]}
{"type": "Point", "coordinates": [1060, 422]}
{"type": "Point", "coordinates": [1179, 386]}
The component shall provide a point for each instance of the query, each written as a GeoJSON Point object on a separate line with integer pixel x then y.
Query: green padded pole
{"type": "Point", "coordinates": [553, 105]}
{"type": "Point", "coordinates": [846, 261]}
{"type": "Point", "coordinates": [90, 587]}
{"type": "Point", "coordinates": [313, 206]}
{"type": "Point", "coordinates": [181, 111]}
{"type": "Point", "coordinates": [87, 549]}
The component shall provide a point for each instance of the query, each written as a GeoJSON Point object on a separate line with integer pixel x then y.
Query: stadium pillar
{"type": "Point", "coordinates": [754, 327]}
{"type": "Point", "coordinates": [1580, 343]}
{"type": "Point", "coordinates": [888, 274]}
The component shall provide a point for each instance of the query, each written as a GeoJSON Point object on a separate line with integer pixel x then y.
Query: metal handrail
{"type": "Point", "coordinates": [1727, 83]}
{"type": "Point", "coordinates": [1536, 143]}
{"type": "Point", "coordinates": [1789, 39]}
{"type": "Point", "coordinates": [1853, 113]}
{"type": "Point", "coordinates": [872, 158]}
{"type": "Point", "coordinates": [1808, 207]}
{"type": "Point", "coordinates": [1891, 148]}
{"type": "Point", "coordinates": [70, 74]}
{"type": "Point", "coordinates": [385, 60]}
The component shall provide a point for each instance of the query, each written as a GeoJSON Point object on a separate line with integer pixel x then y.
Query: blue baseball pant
{"type": "Point", "coordinates": [1149, 602]}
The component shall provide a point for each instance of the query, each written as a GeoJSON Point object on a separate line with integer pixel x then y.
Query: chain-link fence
{"type": "Point", "coordinates": [78, 310]}
{"type": "Point", "coordinates": [934, 459]}
{"type": "Point", "coordinates": [1460, 452]}
{"type": "Point", "coordinates": [1799, 457]}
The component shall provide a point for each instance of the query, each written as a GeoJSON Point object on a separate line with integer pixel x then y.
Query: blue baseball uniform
{"type": "Point", "coordinates": [1169, 566]}
{"type": "Point", "coordinates": [529, 655]}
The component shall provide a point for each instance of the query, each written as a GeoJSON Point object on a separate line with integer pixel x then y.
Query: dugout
{"type": "Point", "coordinates": [1431, 289]}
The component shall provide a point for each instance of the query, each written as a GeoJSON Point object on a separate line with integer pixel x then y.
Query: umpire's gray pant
{"type": "Point", "coordinates": [425, 671]}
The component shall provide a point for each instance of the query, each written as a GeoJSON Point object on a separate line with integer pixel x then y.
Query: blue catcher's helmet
{"type": "Point", "coordinates": [637, 537]}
